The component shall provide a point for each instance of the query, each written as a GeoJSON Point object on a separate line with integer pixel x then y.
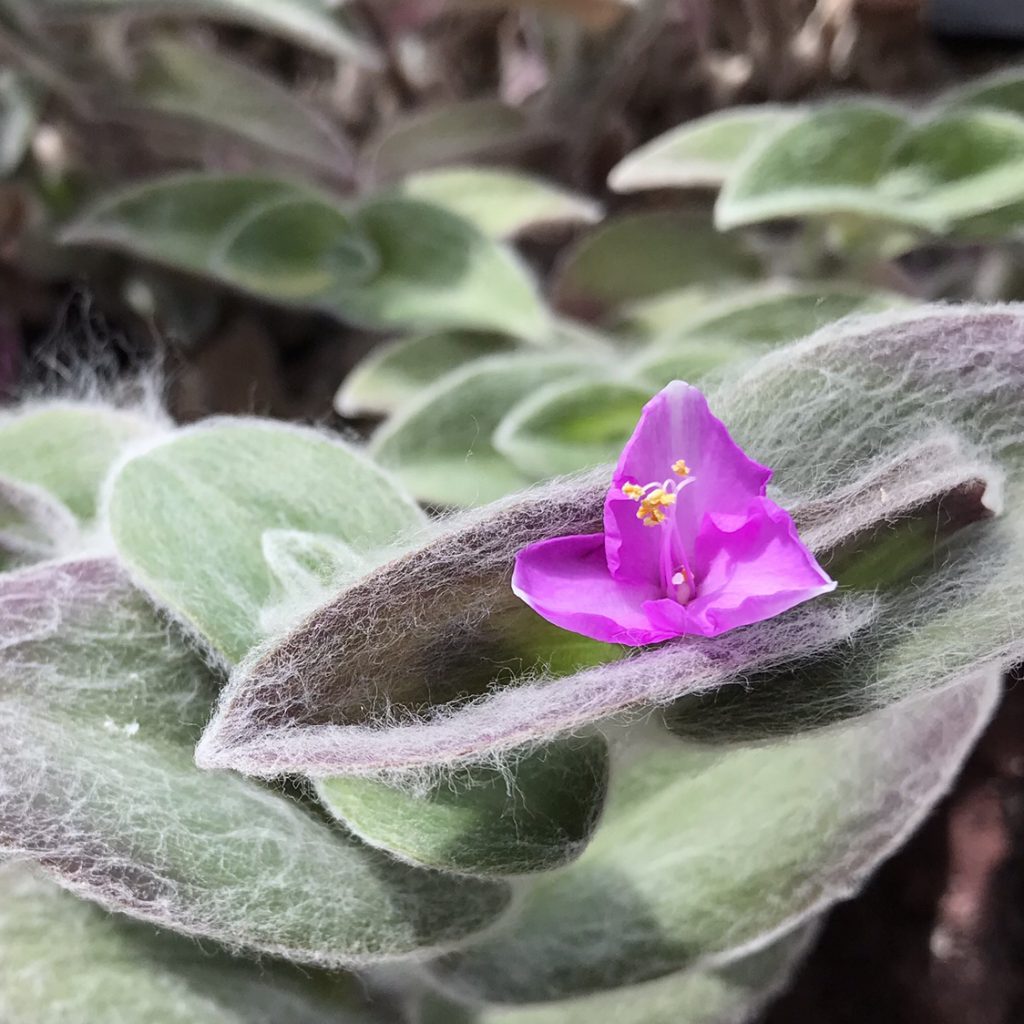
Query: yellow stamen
{"type": "Point", "coordinates": [634, 491]}
{"type": "Point", "coordinates": [650, 508]}
{"type": "Point", "coordinates": [680, 467]}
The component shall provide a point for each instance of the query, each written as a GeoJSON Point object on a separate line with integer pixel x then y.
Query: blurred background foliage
{"type": "Point", "coordinates": [265, 191]}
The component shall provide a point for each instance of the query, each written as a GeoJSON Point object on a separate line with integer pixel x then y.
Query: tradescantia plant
{"type": "Point", "coordinates": [252, 695]}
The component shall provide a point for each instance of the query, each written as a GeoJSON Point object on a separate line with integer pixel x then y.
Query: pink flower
{"type": "Point", "coordinates": [691, 545]}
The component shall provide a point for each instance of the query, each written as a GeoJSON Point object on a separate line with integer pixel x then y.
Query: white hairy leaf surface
{"type": "Point", "coordinates": [706, 853]}
{"type": "Point", "coordinates": [100, 709]}
{"type": "Point", "coordinates": [63, 960]}
{"type": "Point", "coordinates": [729, 995]}
{"type": "Point", "coordinates": [189, 517]}
{"type": "Point", "coordinates": [849, 420]}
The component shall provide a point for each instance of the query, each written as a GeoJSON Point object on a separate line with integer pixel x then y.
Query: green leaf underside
{"type": "Point", "coordinates": [442, 446]}
{"type": "Point", "coordinates": [67, 450]}
{"type": "Point", "coordinates": [64, 960]}
{"type": "Point", "coordinates": [500, 203]}
{"type": "Point", "coordinates": [307, 22]}
{"type": "Point", "coordinates": [100, 710]}
{"type": "Point", "coordinates": [533, 815]}
{"type": "Point", "coordinates": [397, 371]}
{"type": "Point", "coordinates": [725, 996]}
{"type": "Point", "coordinates": [189, 516]}
{"type": "Point", "coordinates": [702, 850]}
{"type": "Point", "coordinates": [565, 427]}
{"type": "Point", "coordinates": [699, 152]}
{"type": "Point", "coordinates": [390, 262]}
{"type": "Point", "coordinates": [199, 84]}
{"type": "Point", "coordinates": [827, 163]}
{"type": "Point", "coordinates": [640, 255]}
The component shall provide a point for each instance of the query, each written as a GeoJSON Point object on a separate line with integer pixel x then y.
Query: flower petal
{"type": "Point", "coordinates": [676, 424]}
{"type": "Point", "coordinates": [566, 580]}
{"type": "Point", "coordinates": [748, 568]}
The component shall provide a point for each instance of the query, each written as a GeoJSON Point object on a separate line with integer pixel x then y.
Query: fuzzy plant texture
{"type": "Point", "coordinates": [276, 745]}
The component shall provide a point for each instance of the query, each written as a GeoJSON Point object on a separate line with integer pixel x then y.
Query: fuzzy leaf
{"type": "Point", "coordinates": [396, 372]}
{"type": "Point", "coordinates": [703, 852]}
{"type": "Point", "coordinates": [100, 707]}
{"type": "Point", "coordinates": [64, 960]}
{"type": "Point", "coordinates": [856, 391]}
{"type": "Point", "coordinates": [647, 318]}
{"type": "Point", "coordinates": [772, 314]}
{"type": "Point", "coordinates": [565, 427]}
{"type": "Point", "coordinates": [308, 22]}
{"type": "Point", "coordinates": [201, 85]}
{"type": "Point", "coordinates": [957, 165]}
{"type": "Point", "coordinates": [699, 152]}
{"type": "Point", "coordinates": [501, 203]}
{"type": "Point", "coordinates": [639, 255]}
{"type": "Point", "coordinates": [67, 450]}
{"type": "Point", "coordinates": [33, 525]}
{"type": "Point", "coordinates": [443, 135]}
{"type": "Point", "coordinates": [386, 263]}
{"type": "Point", "coordinates": [441, 446]}
{"type": "Point", "coordinates": [438, 269]}
{"type": "Point", "coordinates": [188, 517]}
{"type": "Point", "coordinates": [730, 995]}
{"type": "Point", "coordinates": [531, 815]}
{"type": "Point", "coordinates": [441, 624]}
{"type": "Point", "coordinates": [827, 163]}
{"type": "Point", "coordinates": [690, 359]}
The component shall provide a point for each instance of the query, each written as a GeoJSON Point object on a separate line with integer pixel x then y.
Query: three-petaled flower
{"type": "Point", "coordinates": [691, 545]}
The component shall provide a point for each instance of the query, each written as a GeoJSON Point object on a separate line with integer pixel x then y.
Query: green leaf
{"type": "Point", "coordinates": [1002, 90]}
{"type": "Point", "coordinates": [703, 151]}
{"type": "Point", "coordinates": [442, 446]}
{"type": "Point", "coordinates": [63, 960]}
{"type": "Point", "coordinates": [501, 203]}
{"type": "Point", "coordinates": [689, 359]}
{"type": "Point", "coordinates": [726, 996]}
{"type": "Point", "coordinates": [396, 372]}
{"type": "Point", "coordinates": [447, 134]}
{"type": "Point", "coordinates": [437, 269]}
{"type": "Point", "coordinates": [533, 814]}
{"type": "Point", "coordinates": [387, 263]}
{"type": "Point", "coordinates": [67, 449]}
{"type": "Point", "coordinates": [101, 705]}
{"type": "Point", "coordinates": [309, 23]}
{"type": "Point", "coordinates": [199, 84]}
{"type": "Point", "coordinates": [647, 318]}
{"type": "Point", "coordinates": [768, 315]}
{"type": "Point", "coordinates": [640, 255]}
{"type": "Point", "coordinates": [956, 165]}
{"type": "Point", "coordinates": [828, 163]}
{"type": "Point", "coordinates": [565, 427]}
{"type": "Point", "coordinates": [703, 851]}
{"type": "Point", "coordinates": [18, 117]}
{"type": "Point", "coordinates": [189, 516]}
